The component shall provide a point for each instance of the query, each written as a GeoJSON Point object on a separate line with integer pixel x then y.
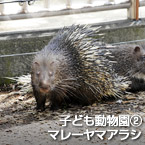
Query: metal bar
{"type": "Point", "coordinates": [127, 42]}
{"type": "Point", "coordinates": [14, 1]}
{"type": "Point", "coordinates": [64, 12]}
{"type": "Point", "coordinates": [19, 54]}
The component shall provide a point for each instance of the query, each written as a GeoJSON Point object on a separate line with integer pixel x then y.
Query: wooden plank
{"type": "Point", "coordinates": [133, 11]}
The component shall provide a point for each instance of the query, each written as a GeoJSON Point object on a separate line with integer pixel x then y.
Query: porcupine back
{"type": "Point", "coordinates": [73, 66]}
{"type": "Point", "coordinates": [130, 62]}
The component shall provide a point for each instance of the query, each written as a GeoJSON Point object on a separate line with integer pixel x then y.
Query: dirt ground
{"type": "Point", "coordinates": [21, 124]}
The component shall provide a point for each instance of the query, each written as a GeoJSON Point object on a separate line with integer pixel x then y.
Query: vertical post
{"type": "Point", "coordinates": [89, 1]}
{"type": "Point", "coordinates": [133, 11]}
{"type": "Point", "coordinates": [24, 8]}
{"type": "Point", "coordinates": [46, 3]}
{"type": "Point", "coordinates": [68, 4]}
{"type": "Point", "coordinates": [2, 9]}
{"type": "Point", "coordinates": [110, 1]}
{"type": "Point", "coordinates": [137, 10]}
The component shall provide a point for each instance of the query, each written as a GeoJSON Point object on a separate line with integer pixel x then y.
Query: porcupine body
{"type": "Point", "coordinates": [130, 62]}
{"type": "Point", "coordinates": [73, 68]}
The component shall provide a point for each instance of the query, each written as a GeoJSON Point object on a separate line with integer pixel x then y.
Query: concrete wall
{"type": "Point", "coordinates": [14, 43]}
{"type": "Point", "coordinates": [19, 65]}
{"type": "Point", "coordinates": [124, 34]}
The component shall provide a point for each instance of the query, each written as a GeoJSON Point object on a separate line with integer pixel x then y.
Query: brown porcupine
{"type": "Point", "coordinates": [73, 68]}
{"type": "Point", "coordinates": [130, 62]}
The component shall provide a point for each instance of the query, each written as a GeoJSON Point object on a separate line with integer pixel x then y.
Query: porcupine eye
{"type": "Point", "coordinates": [38, 73]}
{"type": "Point", "coordinates": [50, 74]}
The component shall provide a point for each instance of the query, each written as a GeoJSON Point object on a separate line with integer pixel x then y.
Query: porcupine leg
{"type": "Point", "coordinates": [137, 85]}
{"type": "Point", "coordinates": [57, 102]}
{"type": "Point", "coordinates": [40, 100]}
{"type": "Point", "coordinates": [54, 103]}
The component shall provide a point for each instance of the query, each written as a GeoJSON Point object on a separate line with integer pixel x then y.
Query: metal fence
{"type": "Point", "coordinates": [21, 9]}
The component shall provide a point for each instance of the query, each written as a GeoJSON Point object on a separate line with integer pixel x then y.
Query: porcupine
{"type": "Point", "coordinates": [73, 68]}
{"type": "Point", "coordinates": [130, 62]}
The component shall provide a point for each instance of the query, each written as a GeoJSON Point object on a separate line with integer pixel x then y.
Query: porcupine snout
{"type": "Point", "coordinates": [44, 87]}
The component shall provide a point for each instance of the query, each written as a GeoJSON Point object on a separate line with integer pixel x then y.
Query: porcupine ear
{"type": "Point", "coordinates": [137, 49]}
{"type": "Point", "coordinates": [137, 52]}
{"type": "Point", "coordinates": [52, 63]}
{"type": "Point", "coordinates": [35, 65]}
